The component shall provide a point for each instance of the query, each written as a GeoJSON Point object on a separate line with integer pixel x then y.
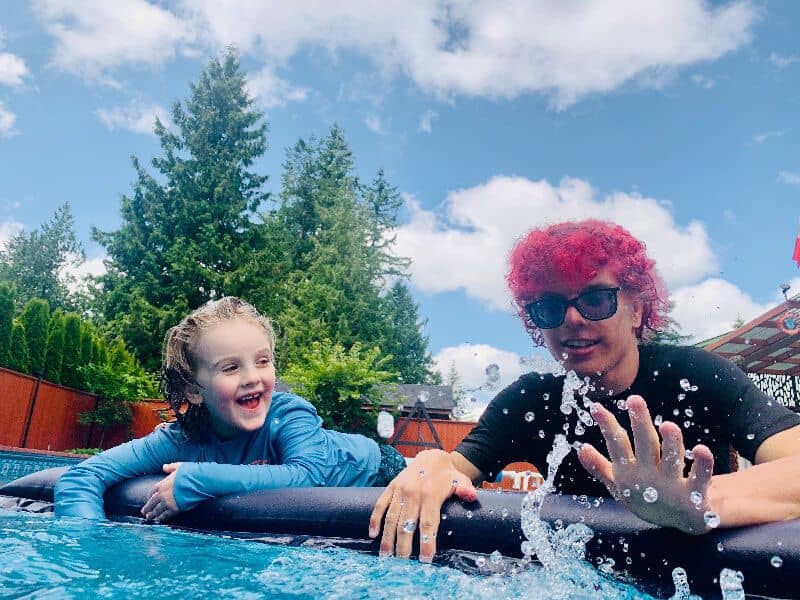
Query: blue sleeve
{"type": "Point", "coordinates": [302, 449]}
{"type": "Point", "coordinates": [79, 492]}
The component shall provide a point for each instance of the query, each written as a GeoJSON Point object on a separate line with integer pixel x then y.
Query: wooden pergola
{"type": "Point", "coordinates": [768, 350]}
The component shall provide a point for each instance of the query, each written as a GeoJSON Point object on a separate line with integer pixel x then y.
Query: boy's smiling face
{"type": "Point", "coordinates": [235, 376]}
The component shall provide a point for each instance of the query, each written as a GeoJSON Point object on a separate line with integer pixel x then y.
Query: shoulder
{"type": "Point", "coordinates": [677, 357]}
{"type": "Point", "coordinates": [285, 405]}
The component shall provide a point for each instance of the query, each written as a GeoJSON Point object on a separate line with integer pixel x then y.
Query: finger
{"type": "Point", "coordinates": [153, 513]}
{"type": "Point", "coordinates": [465, 490]}
{"type": "Point", "coordinates": [597, 465]}
{"type": "Point", "coordinates": [151, 503]}
{"type": "Point", "coordinates": [617, 441]}
{"type": "Point", "coordinates": [166, 515]}
{"type": "Point", "coordinates": [645, 437]}
{"type": "Point", "coordinates": [428, 530]}
{"type": "Point", "coordinates": [390, 525]}
{"type": "Point", "coordinates": [379, 509]}
{"type": "Point", "coordinates": [672, 450]}
{"type": "Point", "coordinates": [702, 468]}
{"type": "Point", "coordinates": [406, 527]}
{"type": "Point", "coordinates": [171, 467]}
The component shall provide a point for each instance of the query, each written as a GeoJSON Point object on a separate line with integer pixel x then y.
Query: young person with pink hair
{"type": "Point", "coordinates": [589, 293]}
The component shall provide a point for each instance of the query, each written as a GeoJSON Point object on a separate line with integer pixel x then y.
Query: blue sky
{"type": "Point", "coordinates": [678, 119]}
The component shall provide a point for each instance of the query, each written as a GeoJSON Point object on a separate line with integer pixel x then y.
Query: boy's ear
{"type": "Point", "coordinates": [192, 393]}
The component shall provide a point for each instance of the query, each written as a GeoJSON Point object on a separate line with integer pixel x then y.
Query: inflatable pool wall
{"type": "Point", "coordinates": [646, 553]}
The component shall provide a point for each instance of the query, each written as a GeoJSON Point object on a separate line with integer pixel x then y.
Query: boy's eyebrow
{"type": "Point", "coordinates": [264, 350]}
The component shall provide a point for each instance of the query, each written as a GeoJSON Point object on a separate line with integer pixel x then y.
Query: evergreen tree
{"type": "Point", "coordinates": [6, 322]}
{"type": "Point", "coordinates": [404, 340]}
{"type": "Point", "coordinates": [87, 336]}
{"type": "Point", "coordinates": [36, 319]}
{"type": "Point", "coordinates": [183, 241]}
{"type": "Point", "coordinates": [19, 360]}
{"type": "Point", "coordinates": [37, 262]}
{"type": "Point", "coordinates": [54, 349]}
{"type": "Point", "coordinates": [71, 356]}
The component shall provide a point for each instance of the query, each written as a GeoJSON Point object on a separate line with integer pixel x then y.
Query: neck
{"type": "Point", "coordinates": [616, 378]}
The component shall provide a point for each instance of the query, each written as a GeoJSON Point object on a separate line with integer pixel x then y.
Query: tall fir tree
{"type": "Point", "coordinates": [6, 322]}
{"type": "Point", "coordinates": [38, 262]}
{"type": "Point", "coordinates": [36, 319]}
{"type": "Point", "coordinates": [54, 349]}
{"type": "Point", "coordinates": [187, 233]}
{"type": "Point", "coordinates": [71, 355]}
{"type": "Point", "coordinates": [19, 359]}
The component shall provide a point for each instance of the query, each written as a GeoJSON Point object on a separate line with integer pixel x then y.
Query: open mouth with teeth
{"type": "Point", "coordinates": [250, 401]}
{"type": "Point", "coordinates": [579, 344]}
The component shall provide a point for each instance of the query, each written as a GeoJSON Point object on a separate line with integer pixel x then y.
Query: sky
{"type": "Point", "coordinates": [676, 118]}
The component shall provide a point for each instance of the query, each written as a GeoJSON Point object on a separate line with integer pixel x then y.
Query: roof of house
{"type": "Point", "coordinates": [435, 397]}
{"type": "Point", "coordinates": [768, 344]}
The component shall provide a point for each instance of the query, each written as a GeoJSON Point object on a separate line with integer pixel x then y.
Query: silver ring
{"type": "Point", "coordinates": [410, 526]}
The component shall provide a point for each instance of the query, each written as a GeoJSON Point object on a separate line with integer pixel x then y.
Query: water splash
{"type": "Point", "coordinates": [730, 583]}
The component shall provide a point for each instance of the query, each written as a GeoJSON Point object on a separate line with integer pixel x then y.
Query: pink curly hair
{"type": "Point", "coordinates": [574, 252]}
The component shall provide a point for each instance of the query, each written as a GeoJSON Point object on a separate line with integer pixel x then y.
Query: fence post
{"type": "Point", "coordinates": [30, 412]}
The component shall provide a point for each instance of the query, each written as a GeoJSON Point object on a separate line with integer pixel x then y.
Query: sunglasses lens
{"type": "Point", "coordinates": [596, 305]}
{"type": "Point", "coordinates": [547, 313]}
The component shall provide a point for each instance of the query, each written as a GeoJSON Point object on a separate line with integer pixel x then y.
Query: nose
{"type": "Point", "coordinates": [249, 376]}
{"type": "Point", "coordinates": [573, 317]}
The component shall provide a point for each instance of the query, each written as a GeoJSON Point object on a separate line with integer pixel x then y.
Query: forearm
{"type": "Point", "coordinates": [466, 467]}
{"type": "Point", "coordinates": [196, 482]}
{"type": "Point", "coordinates": [759, 494]}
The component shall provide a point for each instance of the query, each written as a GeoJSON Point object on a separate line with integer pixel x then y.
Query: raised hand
{"type": "Point", "coordinates": [161, 504]}
{"type": "Point", "coordinates": [651, 482]}
{"type": "Point", "coordinates": [414, 498]}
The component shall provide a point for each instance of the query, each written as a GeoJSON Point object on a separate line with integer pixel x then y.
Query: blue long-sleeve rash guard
{"type": "Point", "coordinates": [290, 450]}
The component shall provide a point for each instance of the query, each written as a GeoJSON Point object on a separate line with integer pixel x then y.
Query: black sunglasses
{"type": "Point", "coordinates": [548, 312]}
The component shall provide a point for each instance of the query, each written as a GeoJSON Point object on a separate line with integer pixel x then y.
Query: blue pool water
{"type": "Point", "coordinates": [15, 464]}
{"type": "Point", "coordinates": [41, 557]}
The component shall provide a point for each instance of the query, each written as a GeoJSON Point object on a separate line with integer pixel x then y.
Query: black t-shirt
{"type": "Point", "coordinates": [712, 401]}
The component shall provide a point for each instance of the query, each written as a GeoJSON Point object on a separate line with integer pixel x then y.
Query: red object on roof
{"type": "Point", "coordinates": [796, 255]}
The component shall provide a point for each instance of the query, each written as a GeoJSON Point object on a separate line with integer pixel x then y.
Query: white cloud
{"type": "Point", "coordinates": [760, 138]}
{"type": "Point", "coordinates": [75, 273]}
{"type": "Point", "coordinates": [93, 37]}
{"type": "Point", "coordinates": [789, 178]}
{"type": "Point", "coordinates": [426, 121]}
{"type": "Point", "coordinates": [704, 82]}
{"type": "Point", "coordinates": [710, 308]}
{"type": "Point", "coordinates": [136, 117]}
{"type": "Point", "coordinates": [781, 61]}
{"type": "Point", "coordinates": [374, 124]}
{"type": "Point", "coordinates": [9, 229]}
{"type": "Point", "coordinates": [271, 91]}
{"type": "Point", "coordinates": [480, 225]}
{"type": "Point", "coordinates": [12, 70]}
{"type": "Point", "coordinates": [7, 120]}
{"type": "Point", "coordinates": [481, 48]}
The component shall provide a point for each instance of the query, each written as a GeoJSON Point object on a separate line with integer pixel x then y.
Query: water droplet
{"type": "Point", "coordinates": [750, 436]}
{"type": "Point", "coordinates": [469, 514]}
{"type": "Point", "coordinates": [423, 396]}
{"type": "Point", "coordinates": [541, 433]}
{"type": "Point", "coordinates": [505, 411]}
{"type": "Point", "coordinates": [545, 397]}
{"type": "Point", "coordinates": [720, 547]}
{"type": "Point", "coordinates": [444, 517]}
{"type": "Point", "coordinates": [504, 512]}
{"type": "Point", "coordinates": [658, 420]}
{"type": "Point", "coordinates": [696, 498]}
{"type": "Point", "coordinates": [685, 385]}
{"type": "Point", "coordinates": [626, 492]}
{"type": "Point", "coordinates": [529, 416]}
{"type": "Point", "coordinates": [693, 388]}
{"type": "Point", "coordinates": [689, 455]}
{"type": "Point", "coordinates": [496, 557]}
{"type": "Point", "coordinates": [480, 561]}
{"type": "Point", "coordinates": [527, 547]}
{"type": "Point", "coordinates": [449, 532]}
{"type": "Point", "coordinates": [711, 519]}
{"type": "Point", "coordinates": [689, 412]}
{"type": "Point", "coordinates": [681, 397]}
{"type": "Point", "coordinates": [425, 537]}
{"type": "Point", "coordinates": [687, 424]}
{"type": "Point", "coordinates": [655, 373]}
{"type": "Point", "coordinates": [579, 429]}
{"type": "Point", "coordinates": [776, 561]}
{"type": "Point", "coordinates": [622, 404]}
{"type": "Point", "coordinates": [650, 494]}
